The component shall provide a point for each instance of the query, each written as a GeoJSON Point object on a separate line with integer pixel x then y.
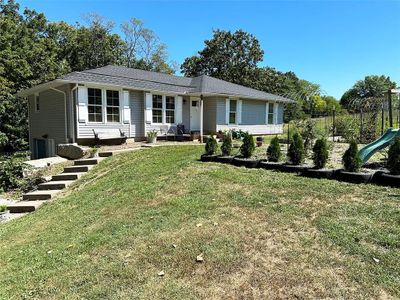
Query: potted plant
{"type": "Point", "coordinates": [226, 149]}
{"type": "Point", "coordinates": [93, 152]}
{"type": "Point", "coordinates": [152, 136]}
{"type": "Point", "coordinates": [274, 155]}
{"type": "Point", "coordinates": [295, 155]}
{"type": "Point", "coordinates": [320, 158]}
{"type": "Point", "coordinates": [210, 148]}
{"type": "Point", "coordinates": [246, 151]}
{"type": "Point", "coordinates": [4, 212]}
{"type": "Point", "coordinates": [259, 141]}
{"type": "Point", "coordinates": [393, 165]}
{"type": "Point", "coordinates": [352, 164]}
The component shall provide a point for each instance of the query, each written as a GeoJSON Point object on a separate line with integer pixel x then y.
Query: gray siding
{"type": "Point", "coordinates": [136, 101]}
{"type": "Point", "coordinates": [253, 112]}
{"type": "Point", "coordinates": [50, 120]}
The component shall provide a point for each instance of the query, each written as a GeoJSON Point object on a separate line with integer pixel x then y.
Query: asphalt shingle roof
{"type": "Point", "coordinates": [153, 81]}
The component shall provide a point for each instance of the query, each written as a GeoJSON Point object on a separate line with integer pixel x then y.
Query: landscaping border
{"type": "Point", "coordinates": [379, 177]}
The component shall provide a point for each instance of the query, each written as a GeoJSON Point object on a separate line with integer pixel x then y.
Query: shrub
{"type": "Point", "coordinates": [274, 150]}
{"type": "Point", "coordinates": [351, 159]}
{"type": "Point", "coordinates": [211, 145]}
{"type": "Point", "coordinates": [248, 145]}
{"type": "Point", "coordinates": [348, 128]}
{"type": "Point", "coordinates": [296, 150]}
{"type": "Point", "coordinates": [320, 153]}
{"type": "Point", "coordinates": [307, 130]}
{"type": "Point", "coordinates": [393, 162]}
{"type": "Point", "coordinates": [226, 146]}
{"type": "Point", "coordinates": [11, 174]}
{"type": "Point", "coordinates": [3, 208]}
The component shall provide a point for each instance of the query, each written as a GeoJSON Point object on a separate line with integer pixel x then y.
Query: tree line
{"type": "Point", "coordinates": [34, 50]}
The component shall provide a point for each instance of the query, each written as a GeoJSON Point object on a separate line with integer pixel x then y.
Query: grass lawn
{"type": "Point", "coordinates": [262, 234]}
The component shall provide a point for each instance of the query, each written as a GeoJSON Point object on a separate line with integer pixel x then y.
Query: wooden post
{"type": "Point", "coordinates": [333, 123]}
{"type": "Point", "coordinates": [390, 108]}
{"type": "Point", "coordinates": [361, 124]}
{"type": "Point", "coordinates": [201, 118]}
{"type": "Point", "coordinates": [383, 119]}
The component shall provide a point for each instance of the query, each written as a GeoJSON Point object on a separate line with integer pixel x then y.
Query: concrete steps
{"type": "Point", "coordinates": [25, 206]}
{"type": "Point", "coordinates": [39, 195]}
{"type": "Point", "coordinates": [86, 162]}
{"type": "Point", "coordinates": [46, 191]}
{"type": "Point", "coordinates": [66, 176]}
{"type": "Point", "coordinates": [54, 185]}
{"type": "Point", "coordinates": [77, 169]}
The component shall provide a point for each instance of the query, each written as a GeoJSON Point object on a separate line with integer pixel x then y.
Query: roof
{"type": "Point", "coordinates": [152, 81]}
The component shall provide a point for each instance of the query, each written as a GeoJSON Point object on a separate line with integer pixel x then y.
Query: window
{"type": "Point", "coordinates": [112, 106]}
{"type": "Point", "coordinates": [195, 103]}
{"type": "Point", "coordinates": [270, 113]}
{"type": "Point", "coordinates": [37, 103]}
{"type": "Point", "coordinates": [95, 109]}
{"type": "Point", "coordinates": [232, 112]}
{"type": "Point", "coordinates": [169, 109]}
{"type": "Point", "coordinates": [157, 109]}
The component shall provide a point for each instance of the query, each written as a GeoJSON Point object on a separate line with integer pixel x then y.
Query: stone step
{"type": "Point", "coordinates": [54, 185]}
{"type": "Point", "coordinates": [66, 176]}
{"type": "Point", "coordinates": [105, 154]}
{"type": "Point", "coordinates": [39, 195]}
{"type": "Point", "coordinates": [24, 206]}
{"type": "Point", "coordinates": [86, 162]}
{"type": "Point", "coordinates": [77, 169]}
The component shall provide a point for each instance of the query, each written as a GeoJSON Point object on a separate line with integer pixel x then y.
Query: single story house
{"type": "Point", "coordinates": [110, 99]}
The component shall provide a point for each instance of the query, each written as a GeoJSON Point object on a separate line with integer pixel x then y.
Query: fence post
{"type": "Point", "coordinates": [333, 123]}
{"type": "Point", "coordinates": [383, 118]}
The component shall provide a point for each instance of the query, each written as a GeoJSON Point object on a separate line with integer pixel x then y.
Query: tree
{"type": "Point", "coordinates": [372, 86]}
{"type": "Point", "coordinates": [143, 48]}
{"type": "Point", "coordinates": [230, 56]}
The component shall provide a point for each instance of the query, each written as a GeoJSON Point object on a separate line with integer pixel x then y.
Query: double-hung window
{"type": "Point", "coordinates": [112, 106]}
{"type": "Point", "coordinates": [170, 109]}
{"type": "Point", "coordinates": [270, 113]}
{"type": "Point", "coordinates": [232, 111]}
{"type": "Point", "coordinates": [157, 108]}
{"type": "Point", "coordinates": [95, 105]}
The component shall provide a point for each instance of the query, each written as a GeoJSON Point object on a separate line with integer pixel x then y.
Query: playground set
{"type": "Point", "coordinates": [387, 138]}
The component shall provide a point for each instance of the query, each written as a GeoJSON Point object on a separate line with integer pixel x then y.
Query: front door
{"type": "Point", "coordinates": [195, 115]}
{"type": "Point", "coordinates": [40, 148]}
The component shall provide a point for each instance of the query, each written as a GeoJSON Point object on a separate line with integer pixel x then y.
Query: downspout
{"type": "Point", "coordinates": [65, 111]}
{"type": "Point", "coordinates": [72, 112]}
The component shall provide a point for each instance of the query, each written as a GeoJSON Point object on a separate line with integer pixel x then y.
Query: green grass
{"type": "Point", "coordinates": [263, 235]}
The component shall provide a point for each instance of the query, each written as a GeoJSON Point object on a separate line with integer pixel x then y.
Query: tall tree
{"type": "Point", "coordinates": [231, 56]}
{"type": "Point", "coordinates": [143, 48]}
{"type": "Point", "coordinates": [372, 86]}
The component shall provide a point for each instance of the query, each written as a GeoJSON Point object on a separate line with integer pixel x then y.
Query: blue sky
{"type": "Point", "coordinates": [333, 43]}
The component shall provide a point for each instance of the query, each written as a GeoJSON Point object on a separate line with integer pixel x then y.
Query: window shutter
{"type": "Point", "coordinates": [227, 111]}
{"type": "Point", "coordinates": [82, 104]}
{"type": "Point", "coordinates": [239, 111]}
{"type": "Point", "coordinates": [148, 108]}
{"type": "Point", "coordinates": [280, 113]}
{"type": "Point", "coordinates": [266, 112]}
{"type": "Point", "coordinates": [126, 107]}
{"type": "Point", "coordinates": [178, 110]}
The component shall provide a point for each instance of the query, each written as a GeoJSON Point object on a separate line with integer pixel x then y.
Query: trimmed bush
{"type": "Point", "coordinates": [211, 145]}
{"type": "Point", "coordinates": [248, 145]}
{"type": "Point", "coordinates": [351, 160]}
{"type": "Point", "coordinates": [226, 147]}
{"type": "Point", "coordinates": [320, 153]}
{"type": "Point", "coordinates": [296, 150]}
{"type": "Point", "coordinates": [393, 162]}
{"type": "Point", "coordinates": [274, 150]}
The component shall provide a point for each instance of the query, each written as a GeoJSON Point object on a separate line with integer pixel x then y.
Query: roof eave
{"type": "Point", "coordinates": [40, 87]}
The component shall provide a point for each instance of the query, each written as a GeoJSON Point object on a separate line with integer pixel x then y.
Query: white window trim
{"type": "Point", "coordinates": [104, 103]}
{"type": "Point", "coordinates": [164, 109]}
